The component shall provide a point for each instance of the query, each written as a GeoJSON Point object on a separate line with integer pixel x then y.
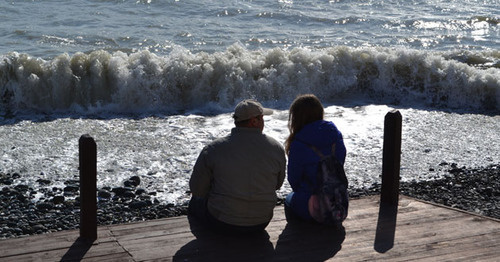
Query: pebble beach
{"type": "Point", "coordinates": [475, 190]}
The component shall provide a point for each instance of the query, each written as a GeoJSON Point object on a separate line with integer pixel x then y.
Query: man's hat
{"type": "Point", "coordinates": [249, 108]}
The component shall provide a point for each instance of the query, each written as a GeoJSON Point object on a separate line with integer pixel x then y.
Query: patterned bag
{"type": "Point", "coordinates": [330, 200]}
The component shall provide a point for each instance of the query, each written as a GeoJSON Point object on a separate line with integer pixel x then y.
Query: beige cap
{"type": "Point", "coordinates": [249, 108]}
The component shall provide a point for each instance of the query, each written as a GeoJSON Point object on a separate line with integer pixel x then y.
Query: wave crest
{"type": "Point", "coordinates": [145, 82]}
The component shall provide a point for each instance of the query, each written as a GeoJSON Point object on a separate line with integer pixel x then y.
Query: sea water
{"type": "Point", "coordinates": [155, 81]}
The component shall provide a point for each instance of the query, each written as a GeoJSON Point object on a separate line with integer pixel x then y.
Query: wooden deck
{"type": "Point", "coordinates": [415, 230]}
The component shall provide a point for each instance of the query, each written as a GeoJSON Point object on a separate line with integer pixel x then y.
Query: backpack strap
{"type": "Point", "coordinates": [321, 156]}
{"type": "Point", "coordinates": [316, 150]}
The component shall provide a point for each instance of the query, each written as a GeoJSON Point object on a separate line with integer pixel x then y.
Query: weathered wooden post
{"type": "Point", "coordinates": [88, 187]}
{"type": "Point", "coordinates": [391, 158]}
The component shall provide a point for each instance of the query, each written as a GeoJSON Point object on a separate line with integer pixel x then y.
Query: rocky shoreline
{"type": "Point", "coordinates": [476, 190]}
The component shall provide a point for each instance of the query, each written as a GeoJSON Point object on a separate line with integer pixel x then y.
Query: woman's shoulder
{"type": "Point", "coordinates": [318, 133]}
{"type": "Point", "coordinates": [319, 128]}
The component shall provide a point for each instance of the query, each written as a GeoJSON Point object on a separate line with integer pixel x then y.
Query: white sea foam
{"type": "Point", "coordinates": [162, 150]}
{"type": "Point", "coordinates": [144, 82]}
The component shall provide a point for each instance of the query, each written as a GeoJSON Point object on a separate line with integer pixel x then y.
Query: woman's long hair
{"type": "Point", "coordinates": [305, 109]}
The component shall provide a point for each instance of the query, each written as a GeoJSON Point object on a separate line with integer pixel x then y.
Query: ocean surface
{"type": "Point", "coordinates": [155, 81]}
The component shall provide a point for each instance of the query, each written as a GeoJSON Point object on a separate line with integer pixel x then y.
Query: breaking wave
{"type": "Point", "coordinates": [100, 81]}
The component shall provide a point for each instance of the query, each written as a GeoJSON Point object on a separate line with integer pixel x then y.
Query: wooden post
{"type": "Point", "coordinates": [88, 187]}
{"type": "Point", "coordinates": [391, 158]}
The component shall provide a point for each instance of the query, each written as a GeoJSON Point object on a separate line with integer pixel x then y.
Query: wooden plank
{"type": "Point", "coordinates": [465, 249]}
{"type": "Point", "coordinates": [166, 228]}
{"type": "Point", "coordinates": [414, 238]}
{"type": "Point", "coordinates": [100, 252]}
{"type": "Point", "coordinates": [424, 232]}
{"type": "Point", "coordinates": [234, 248]}
{"type": "Point", "coordinates": [40, 243]}
{"type": "Point", "coordinates": [409, 208]}
{"type": "Point", "coordinates": [411, 245]}
{"type": "Point", "coordinates": [150, 223]}
{"type": "Point", "coordinates": [469, 247]}
{"type": "Point", "coordinates": [370, 223]}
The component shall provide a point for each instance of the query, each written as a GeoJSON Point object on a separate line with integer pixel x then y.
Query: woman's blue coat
{"type": "Point", "coordinates": [303, 161]}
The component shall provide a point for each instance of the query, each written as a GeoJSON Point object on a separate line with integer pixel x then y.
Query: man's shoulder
{"type": "Point", "coordinates": [274, 143]}
{"type": "Point", "coordinates": [271, 139]}
{"type": "Point", "coordinates": [218, 141]}
{"type": "Point", "coordinates": [247, 134]}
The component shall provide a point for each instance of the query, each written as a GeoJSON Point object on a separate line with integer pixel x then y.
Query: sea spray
{"type": "Point", "coordinates": [145, 82]}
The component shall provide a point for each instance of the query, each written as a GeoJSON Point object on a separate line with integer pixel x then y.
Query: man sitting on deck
{"type": "Point", "coordinates": [235, 178]}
